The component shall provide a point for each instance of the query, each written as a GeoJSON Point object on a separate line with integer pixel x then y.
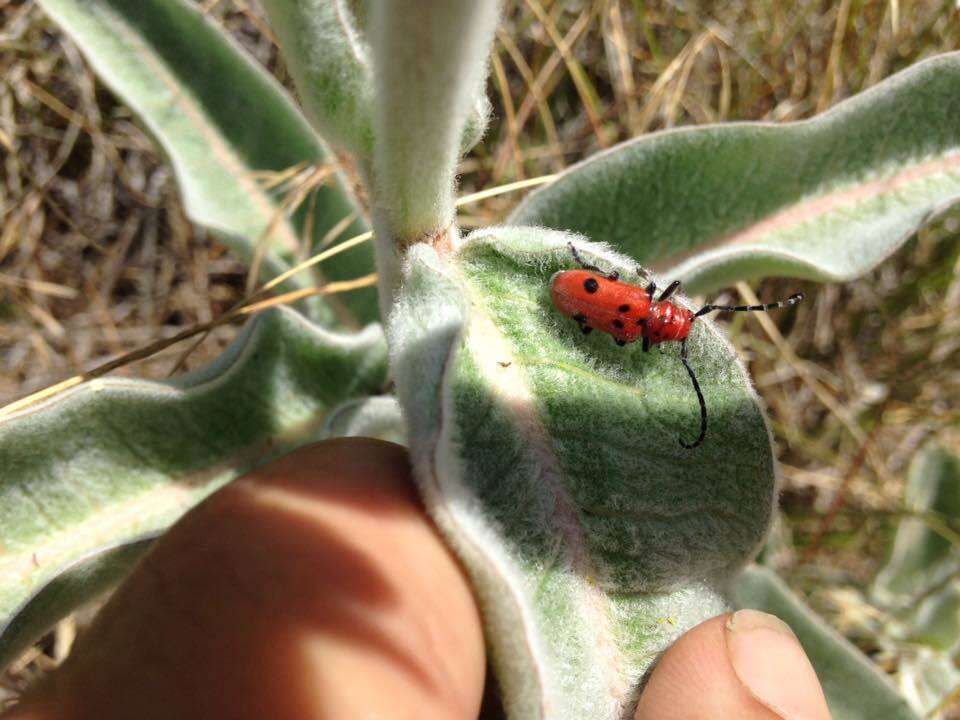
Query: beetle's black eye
{"type": "Point", "coordinates": [591, 285]}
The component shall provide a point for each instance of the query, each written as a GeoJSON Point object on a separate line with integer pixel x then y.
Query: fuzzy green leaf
{"type": "Point", "coordinates": [377, 417]}
{"type": "Point", "coordinates": [85, 579]}
{"type": "Point", "coordinates": [221, 118]}
{"type": "Point", "coordinates": [923, 559]}
{"type": "Point", "coordinates": [825, 199]}
{"type": "Point", "coordinates": [329, 59]}
{"type": "Point", "coordinates": [551, 462]}
{"type": "Point", "coordinates": [326, 49]}
{"type": "Point", "coordinates": [919, 582]}
{"type": "Point", "coordinates": [116, 459]}
{"type": "Point", "coordinates": [855, 689]}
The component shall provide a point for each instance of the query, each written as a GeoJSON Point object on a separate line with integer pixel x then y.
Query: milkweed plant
{"type": "Point", "coordinates": [590, 546]}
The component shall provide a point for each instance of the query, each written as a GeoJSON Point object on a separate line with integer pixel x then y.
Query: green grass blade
{"type": "Point", "coordinates": [116, 459]}
{"type": "Point", "coordinates": [222, 119]}
{"type": "Point", "coordinates": [825, 199]}
{"type": "Point", "coordinates": [551, 462]}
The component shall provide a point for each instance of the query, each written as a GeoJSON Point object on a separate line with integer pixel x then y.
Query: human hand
{"type": "Point", "coordinates": [316, 587]}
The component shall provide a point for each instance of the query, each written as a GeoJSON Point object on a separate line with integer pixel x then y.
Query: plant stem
{"type": "Point", "coordinates": [429, 59]}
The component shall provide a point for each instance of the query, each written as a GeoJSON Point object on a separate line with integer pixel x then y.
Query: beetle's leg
{"type": "Point", "coordinates": [671, 289]}
{"type": "Point", "coordinates": [613, 275]}
{"type": "Point", "coordinates": [581, 320]}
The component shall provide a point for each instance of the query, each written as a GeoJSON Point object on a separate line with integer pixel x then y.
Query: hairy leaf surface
{"type": "Point", "coordinates": [115, 459]}
{"type": "Point", "coordinates": [226, 124]}
{"type": "Point", "coordinates": [326, 49]}
{"type": "Point", "coordinates": [430, 64]}
{"type": "Point", "coordinates": [927, 677]}
{"type": "Point", "coordinates": [377, 417]}
{"type": "Point", "coordinates": [551, 462]}
{"type": "Point", "coordinates": [329, 58]}
{"type": "Point", "coordinates": [825, 199]}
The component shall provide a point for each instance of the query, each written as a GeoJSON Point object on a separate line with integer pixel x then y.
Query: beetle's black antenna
{"type": "Point", "coordinates": [593, 268]}
{"type": "Point", "coordinates": [671, 289]}
{"type": "Point", "coordinates": [792, 300]}
{"type": "Point", "coordinates": [703, 403]}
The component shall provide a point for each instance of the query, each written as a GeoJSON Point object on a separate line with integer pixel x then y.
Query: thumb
{"type": "Point", "coordinates": [747, 665]}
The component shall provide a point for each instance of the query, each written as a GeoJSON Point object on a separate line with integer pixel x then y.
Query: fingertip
{"type": "Point", "coordinates": [741, 665]}
{"type": "Point", "coordinates": [692, 678]}
{"type": "Point", "coordinates": [315, 586]}
{"type": "Point", "coordinates": [770, 662]}
{"type": "Point", "coordinates": [350, 466]}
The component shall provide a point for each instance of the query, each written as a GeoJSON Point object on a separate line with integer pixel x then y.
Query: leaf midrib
{"type": "Point", "coordinates": [847, 196]}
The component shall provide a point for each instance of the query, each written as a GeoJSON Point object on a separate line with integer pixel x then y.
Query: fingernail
{"type": "Point", "coordinates": [771, 664]}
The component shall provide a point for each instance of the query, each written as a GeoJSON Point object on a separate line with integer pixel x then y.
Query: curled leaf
{"type": "Point", "coordinates": [228, 127]}
{"type": "Point", "coordinates": [551, 461]}
{"type": "Point", "coordinates": [377, 417]}
{"type": "Point", "coordinates": [825, 199]}
{"type": "Point", "coordinates": [98, 467]}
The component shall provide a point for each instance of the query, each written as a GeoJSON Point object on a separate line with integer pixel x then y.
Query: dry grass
{"type": "Point", "coordinates": [96, 257]}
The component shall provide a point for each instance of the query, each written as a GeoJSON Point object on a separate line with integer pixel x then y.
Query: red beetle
{"type": "Point", "coordinates": [598, 299]}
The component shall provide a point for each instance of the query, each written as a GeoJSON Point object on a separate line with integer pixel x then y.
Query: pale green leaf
{"type": "Point", "coordinates": [222, 119]}
{"type": "Point", "coordinates": [854, 687]}
{"type": "Point", "coordinates": [84, 580]}
{"type": "Point", "coordinates": [324, 43]}
{"type": "Point", "coordinates": [924, 558]}
{"type": "Point", "coordinates": [329, 59]}
{"type": "Point", "coordinates": [825, 199]}
{"type": "Point", "coordinates": [377, 417]}
{"type": "Point", "coordinates": [116, 459]}
{"type": "Point", "coordinates": [551, 462]}
{"type": "Point", "coordinates": [919, 583]}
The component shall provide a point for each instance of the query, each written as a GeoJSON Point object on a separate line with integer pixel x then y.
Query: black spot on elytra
{"type": "Point", "coordinates": [580, 318]}
{"type": "Point", "coordinates": [624, 308]}
{"type": "Point", "coordinates": [591, 285]}
{"type": "Point", "coordinates": [618, 324]}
